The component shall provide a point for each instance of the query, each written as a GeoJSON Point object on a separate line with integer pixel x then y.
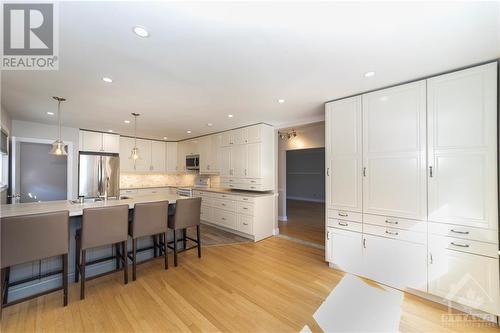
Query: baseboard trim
{"type": "Point", "coordinates": [305, 199]}
{"type": "Point", "coordinates": [283, 218]}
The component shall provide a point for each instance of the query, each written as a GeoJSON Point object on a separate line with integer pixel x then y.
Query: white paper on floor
{"type": "Point", "coordinates": [354, 306]}
{"type": "Point", "coordinates": [306, 329]}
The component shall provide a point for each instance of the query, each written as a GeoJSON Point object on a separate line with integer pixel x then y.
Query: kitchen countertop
{"type": "Point", "coordinates": [235, 192]}
{"type": "Point", "coordinates": [152, 186]}
{"type": "Point", "coordinates": [77, 209]}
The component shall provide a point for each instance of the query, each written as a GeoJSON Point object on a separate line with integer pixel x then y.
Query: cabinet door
{"type": "Point", "coordinates": [251, 134]}
{"type": "Point", "coordinates": [181, 156]}
{"type": "Point", "coordinates": [394, 152]}
{"type": "Point", "coordinates": [126, 163]}
{"type": "Point", "coordinates": [171, 157]}
{"type": "Point", "coordinates": [143, 164]}
{"type": "Point", "coordinates": [205, 156]}
{"type": "Point", "coordinates": [237, 137]}
{"type": "Point", "coordinates": [91, 141]}
{"type": "Point", "coordinates": [226, 139]}
{"type": "Point", "coordinates": [462, 146]}
{"type": "Point", "coordinates": [239, 161]}
{"type": "Point", "coordinates": [111, 143]}
{"type": "Point", "coordinates": [465, 278]}
{"type": "Point", "coordinates": [215, 152]}
{"type": "Point", "coordinates": [253, 160]}
{"type": "Point", "coordinates": [344, 155]}
{"type": "Point", "coordinates": [345, 250]}
{"type": "Point", "coordinates": [225, 165]}
{"type": "Point", "coordinates": [157, 156]}
{"type": "Point", "coordinates": [396, 263]}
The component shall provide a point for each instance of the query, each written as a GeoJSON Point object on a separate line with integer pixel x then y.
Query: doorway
{"type": "Point", "coordinates": [305, 196]}
{"type": "Point", "coordinates": [36, 174]}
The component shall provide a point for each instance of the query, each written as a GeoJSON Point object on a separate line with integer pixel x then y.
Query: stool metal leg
{"type": "Point", "coordinates": [134, 259]}
{"type": "Point", "coordinates": [199, 240]}
{"type": "Point", "coordinates": [184, 241]}
{"type": "Point", "coordinates": [117, 255]}
{"type": "Point", "coordinates": [82, 273]}
{"type": "Point", "coordinates": [5, 281]}
{"type": "Point", "coordinates": [65, 278]}
{"type": "Point", "coordinates": [125, 262]}
{"type": "Point", "coordinates": [77, 258]}
{"type": "Point", "coordinates": [164, 236]}
{"type": "Point", "coordinates": [175, 249]}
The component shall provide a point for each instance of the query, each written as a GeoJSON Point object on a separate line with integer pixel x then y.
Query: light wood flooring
{"type": "Point", "coordinates": [306, 221]}
{"type": "Point", "coordinates": [271, 286]}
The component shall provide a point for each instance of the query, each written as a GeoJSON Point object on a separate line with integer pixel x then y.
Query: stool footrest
{"type": "Point", "coordinates": [33, 278]}
{"type": "Point", "coordinates": [27, 298]}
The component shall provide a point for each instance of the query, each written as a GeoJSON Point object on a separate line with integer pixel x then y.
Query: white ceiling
{"type": "Point", "coordinates": [206, 60]}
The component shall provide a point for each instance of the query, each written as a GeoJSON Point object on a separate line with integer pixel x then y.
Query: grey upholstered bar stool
{"type": "Point", "coordinates": [149, 219]}
{"type": "Point", "coordinates": [101, 226]}
{"type": "Point", "coordinates": [187, 214]}
{"type": "Point", "coordinates": [29, 238]}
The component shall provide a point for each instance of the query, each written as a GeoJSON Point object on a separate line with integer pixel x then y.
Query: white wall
{"type": "Point", "coordinates": [308, 136]}
{"type": "Point", "coordinates": [26, 129]}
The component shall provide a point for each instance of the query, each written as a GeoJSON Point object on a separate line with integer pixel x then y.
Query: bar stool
{"type": "Point", "coordinates": [102, 226]}
{"type": "Point", "coordinates": [187, 214]}
{"type": "Point", "coordinates": [29, 238]}
{"type": "Point", "coordinates": [149, 219]}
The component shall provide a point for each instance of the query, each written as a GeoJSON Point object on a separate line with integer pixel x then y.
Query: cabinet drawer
{"type": "Point", "coordinates": [224, 204]}
{"type": "Point", "coordinates": [345, 215]}
{"type": "Point", "coordinates": [346, 225]}
{"type": "Point", "coordinates": [463, 245]}
{"type": "Point", "coordinates": [122, 192]}
{"type": "Point", "coordinates": [224, 218]}
{"type": "Point", "coordinates": [250, 181]}
{"type": "Point", "coordinates": [394, 233]}
{"type": "Point", "coordinates": [245, 224]}
{"type": "Point", "coordinates": [244, 208]}
{"type": "Point", "coordinates": [244, 198]}
{"type": "Point", "coordinates": [395, 222]}
{"type": "Point", "coordinates": [206, 213]}
{"type": "Point", "coordinates": [458, 231]}
{"type": "Point", "coordinates": [223, 196]}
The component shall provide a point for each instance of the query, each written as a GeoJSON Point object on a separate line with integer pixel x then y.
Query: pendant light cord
{"type": "Point", "coordinates": [59, 118]}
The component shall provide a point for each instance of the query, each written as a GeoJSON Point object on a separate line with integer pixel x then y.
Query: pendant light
{"type": "Point", "coordinates": [58, 147]}
{"type": "Point", "coordinates": [135, 151]}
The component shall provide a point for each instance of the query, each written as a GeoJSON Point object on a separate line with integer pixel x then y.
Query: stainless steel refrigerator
{"type": "Point", "coordinates": [99, 175]}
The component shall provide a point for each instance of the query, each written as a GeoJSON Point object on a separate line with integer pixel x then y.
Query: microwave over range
{"type": "Point", "coordinates": [193, 162]}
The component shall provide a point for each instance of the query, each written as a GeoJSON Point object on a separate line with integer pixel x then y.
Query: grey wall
{"type": "Point", "coordinates": [5, 124]}
{"type": "Point", "coordinates": [305, 174]}
{"type": "Point", "coordinates": [26, 129]}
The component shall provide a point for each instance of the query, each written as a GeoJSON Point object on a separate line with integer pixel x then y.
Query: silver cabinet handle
{"type": "Point", "coordinates": [245, 172]}
{"type": "Point", "coordinates": [328, 235]}
{"type": "Point", "coordinates": [253, 181]}
{"type": "Point", "coordinates": [244, 223]}
{"type": "Point", "coordinates": [343, 214]}
{"type": "Point", "coordinates": [364, 172]}
{"type": "Point", "coordinates": [431, 174]}
{"type": "Point", "coordinates": [431, 259]}
{"type": "Point", "coordinates": [392, 232]}
{"type": "Point", "coordinates": [391, 221]}
{"type": "Point", "coordinates": [246, 199]}
{"type": "Point", "coordinates": [245, 208]}
{"type": "Point", "coordinates": [459, 245]}
{"type": "Point", "coordinates": [460, 232]}
{"type": "Point", "coordinates": [328, 172]}
{"type": "Point", "coordinates": [364, 243]}
{"type": "Point", "coordinates": [223, 218]}
{"type": "Point", "coordinates": [343, 224]}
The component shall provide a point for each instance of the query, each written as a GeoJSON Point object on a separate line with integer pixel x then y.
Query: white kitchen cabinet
{"type": "Point", "coordinates": [344, 249]}
{"type": "Point", "coordinates": [233, 137]}
{"type": "Point", "coordinates": [215, 153]}
{"type": "Point", "coordinates": [157, 156]}
{"type": "Point", "coordinates": [468, 279]}
{"type": "Point", "coordinates": [99, 142]}
{"type": "Point", "coordinates": [253, 160]}
{"type": "Point", "coordinates": [397, 263]}
{"type": "Point", "coordinates": [143, 164]}
{"type": "Point", "coordinates": [225, 161]}
{"type": "Point", "coordinates": [171, 157]}
{"type": "Point", "coordinates": [251, 134]}
{"type": "Point", "coordinates": [462, 147]}
{"type": "Point", "coordinates": [394, 151]}
{"type": "Point", "coordinates": [239, 161]}
{"type": "Point", "coordinates": [126, 163]}
{"type": "Point", "coordinates": [344, 155]}
{"type": "Point", "coordinates": [181, 156]}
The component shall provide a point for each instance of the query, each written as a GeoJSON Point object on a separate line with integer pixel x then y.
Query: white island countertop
{"type": "Point", "coordinates": [76, 209]}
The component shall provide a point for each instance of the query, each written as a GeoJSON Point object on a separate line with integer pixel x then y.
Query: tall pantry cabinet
{"type": "Point", "coordinates": [411, 186]}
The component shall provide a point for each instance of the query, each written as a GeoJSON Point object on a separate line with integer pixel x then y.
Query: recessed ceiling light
{"type": "Point", "coordinates": [141, 31]}
{"type": "Point", "coordinates": [188, 132]}
{"type": "Point", "coordinates": [230, 116]}
{"type": "Point", "coordinates": [281, 101]}
{"type": "Point", "coordinates": [50, 113]}
{"type": "Point", "coordinates": [107, 79]}
{"type": "Point", "coordinates": [165, 138]}
{"type": "Point", "coordinates": [369, 74]}
{"type": "Point", "coordinates": [110, 131]}
{"type": "Point", "coordinates": [126, 121]}
{"type": "Point", "coordinates": [210, 124]}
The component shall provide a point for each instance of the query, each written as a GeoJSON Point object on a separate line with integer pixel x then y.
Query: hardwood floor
{"type": "Point", "coordinates": [271, 286]}
{"type": "Point", "coordinates": [306, 221]}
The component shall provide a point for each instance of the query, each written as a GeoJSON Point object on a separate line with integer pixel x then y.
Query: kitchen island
{"type": "Point", "coordinates": [34, 269]}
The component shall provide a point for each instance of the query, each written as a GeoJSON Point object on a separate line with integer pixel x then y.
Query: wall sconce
{"type": "Point", "coordinates": [287, 135]}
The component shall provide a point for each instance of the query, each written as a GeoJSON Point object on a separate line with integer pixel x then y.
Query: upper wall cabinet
{"type": "Point", "coordinates": [171, 157]}
{"type": "Point", "coordinates": [99, 142]}
{"type": "Point", "coordinates": [394, 152]}
{"type": "Point", "coordinates": [462, 147]}
{"type": "Point", "coordinates": [344, 155]}
{"type": "Point", "coordinates": [158, 151]}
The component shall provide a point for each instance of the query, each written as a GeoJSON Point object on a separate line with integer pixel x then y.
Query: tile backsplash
{"type": "Point", "coordinates": [134, 180]}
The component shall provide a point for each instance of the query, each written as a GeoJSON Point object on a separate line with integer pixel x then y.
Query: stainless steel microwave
{"type": "Point", "coordinates": [193, 162]}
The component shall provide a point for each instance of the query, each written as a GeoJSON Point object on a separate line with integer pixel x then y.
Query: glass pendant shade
{"type": "Point", "coordinates": [135, 154]}
{"type": "Point", "coordinates": [58, 148]}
